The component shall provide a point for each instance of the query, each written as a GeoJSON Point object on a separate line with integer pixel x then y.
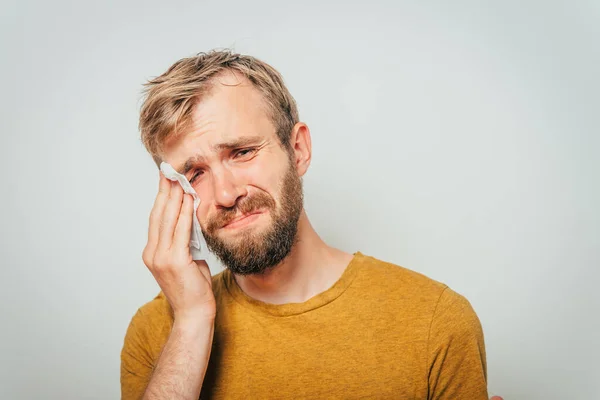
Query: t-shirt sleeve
{"type": "Point", "coordinates": [456, 351]}
{"type": "Point", "coordinates": [136, 359]}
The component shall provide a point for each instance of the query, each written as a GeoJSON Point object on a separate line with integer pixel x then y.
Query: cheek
{"type": "Point", "coordinates": [264, 174]}
{"type": "Point", "coordinates": [259, 174]}
{"type": "Point", "coordinates": [265, 177]}
{"type": "Point", "coordinates": [202, 212]}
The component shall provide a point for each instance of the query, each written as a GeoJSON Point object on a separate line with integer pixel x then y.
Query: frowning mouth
{"type": "Point", "coordinates": [242, 220]}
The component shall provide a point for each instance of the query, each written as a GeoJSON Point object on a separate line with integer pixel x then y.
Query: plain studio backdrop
{"type": "Point", "coordinates": [458, 139]}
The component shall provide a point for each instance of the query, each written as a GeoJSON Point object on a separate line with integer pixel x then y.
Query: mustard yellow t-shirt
{"type": "Point", "coordinates": [380, 332]}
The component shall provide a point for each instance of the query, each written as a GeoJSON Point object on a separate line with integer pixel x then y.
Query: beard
{"type": "Point", "coordinates": [253, 253]}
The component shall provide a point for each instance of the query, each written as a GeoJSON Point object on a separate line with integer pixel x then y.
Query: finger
{"type": "Point", "coordinates": [164, 187]}
{"type": "Point", "coordinates": [170, 216]}
{"type": "Point", "coordinates": [183, 230]}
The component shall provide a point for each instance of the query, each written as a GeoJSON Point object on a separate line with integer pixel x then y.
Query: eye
{"type": "Point", "coordinates": [244, 153]}
{"type": "Point", "coordinates": [196, 175]}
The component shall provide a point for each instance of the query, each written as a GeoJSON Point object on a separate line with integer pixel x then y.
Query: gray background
{"type": "Point", "coordinates": [459, 139]}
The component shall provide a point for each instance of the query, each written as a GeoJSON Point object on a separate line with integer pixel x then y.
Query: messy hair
{"type": "Point", "coordinates": [170, 98]}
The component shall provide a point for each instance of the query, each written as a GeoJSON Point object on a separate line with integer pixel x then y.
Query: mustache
{"type": "Point", "coordinates": [246, 205]}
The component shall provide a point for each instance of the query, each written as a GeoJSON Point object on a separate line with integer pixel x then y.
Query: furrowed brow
{"type": "Point", "coordinates": [189, 164]}
{"type": "Point", "coordinates": [241, 142]}
{"type": "Point", "coordinates": [233, 144]}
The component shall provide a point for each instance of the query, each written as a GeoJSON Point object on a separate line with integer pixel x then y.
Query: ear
{"type": "Point", "coordinates": [301, 147]}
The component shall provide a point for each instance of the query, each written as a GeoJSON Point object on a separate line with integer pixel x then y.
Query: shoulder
{"type": "Point", "coordinates": [151, 325]}
{"type": "Point", "coordinates": [375, 275]}
{"type": "Point", "coordinates": [385, 283]}
{"type": "Point", "coordinates": [454, 316]}
{"type": "Point", "coordinates": [158, 314]}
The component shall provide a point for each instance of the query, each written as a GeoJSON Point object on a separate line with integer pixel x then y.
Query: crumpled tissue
{"type": "Point", "coordinates": [197, 242]}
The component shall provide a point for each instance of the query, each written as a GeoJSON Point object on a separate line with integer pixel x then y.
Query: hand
{"type": "Point", "coordinates": [186, 283]}
{"type": "Point", "coordinates": [496, 398]}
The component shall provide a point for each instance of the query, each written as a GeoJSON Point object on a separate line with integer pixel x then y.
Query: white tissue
{"type": "Point", "coordinates": [196, 238]}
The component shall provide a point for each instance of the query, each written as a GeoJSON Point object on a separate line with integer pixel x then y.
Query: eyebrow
{"type": "Point", "coordinates": [233, 144]}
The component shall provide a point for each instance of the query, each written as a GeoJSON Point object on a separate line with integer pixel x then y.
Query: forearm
{"type": "Point", "coordinates": [182, 364]}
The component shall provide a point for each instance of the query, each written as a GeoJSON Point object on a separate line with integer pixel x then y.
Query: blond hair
{"type": "Point", "coordinates": [170, 98]}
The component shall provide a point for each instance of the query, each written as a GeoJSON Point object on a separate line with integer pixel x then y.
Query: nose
{"type": "Point", "coordinates": [226, 190]}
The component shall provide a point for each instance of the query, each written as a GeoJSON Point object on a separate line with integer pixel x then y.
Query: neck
{"type": "Point", "coordinates": [311, 268]}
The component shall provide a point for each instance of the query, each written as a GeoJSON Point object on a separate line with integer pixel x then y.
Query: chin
{"type": "Point", "coordinates": [246, 234]}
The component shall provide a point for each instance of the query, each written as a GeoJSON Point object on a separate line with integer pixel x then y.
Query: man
{"type": "Point", "coordinates": [290, 317]}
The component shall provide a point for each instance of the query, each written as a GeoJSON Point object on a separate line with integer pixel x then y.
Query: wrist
{"type": "Point", "coordinates": [193, 321]}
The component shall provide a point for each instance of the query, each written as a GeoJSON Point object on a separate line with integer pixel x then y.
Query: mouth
{"type": "Point", "coordinates": [242, 220]}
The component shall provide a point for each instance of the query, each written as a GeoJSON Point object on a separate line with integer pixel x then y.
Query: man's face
{"type": "Point", "coordinates": [250, 191]}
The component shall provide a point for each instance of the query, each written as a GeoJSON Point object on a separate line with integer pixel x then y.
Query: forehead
{"type": "Point", "coordinates": [232, 102]}
{"type": "Point", "coordinates": [232, 109]}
